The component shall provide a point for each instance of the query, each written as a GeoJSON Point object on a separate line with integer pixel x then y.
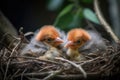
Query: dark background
{"type": "Point", "coordinates": [32, 14]}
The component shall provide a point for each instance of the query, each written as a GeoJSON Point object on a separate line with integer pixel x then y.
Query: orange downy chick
{"type": "Point", "coordinates": [75, 39]}
{"type": "Point", "coordinates": [49, 35]}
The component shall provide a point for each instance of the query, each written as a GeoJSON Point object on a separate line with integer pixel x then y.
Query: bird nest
{"type": "Point", "coordinates": [104, 66]}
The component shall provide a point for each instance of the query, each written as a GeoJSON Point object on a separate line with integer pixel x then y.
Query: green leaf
{"type": "Point", "coordinates": [65, 10]}
{"type": "Point", "coordinates": [69, 17]}
{"type": "Point", "coordinates": [90, 15]}
{"type": "Point", "coordinates": [54, 4]}
{"type": "Point", "coordinates": [64, 17]}
{"type": "Point", "coordinates": [76, 22]}
{"type": "Point", "coordinates": [64, 21]}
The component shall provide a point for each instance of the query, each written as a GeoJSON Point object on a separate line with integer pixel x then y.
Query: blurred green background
{"type": "Point", "coordinates": [64, 14]}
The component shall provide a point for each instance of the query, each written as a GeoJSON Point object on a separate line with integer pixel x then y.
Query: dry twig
{"type": "Point", "coordinates": [103, 22]}
{"type": "Point", "coordinates": [52, 74]}
{"type": "Point", "coordinates": [74, 64]}
{"type": "Point", "coordinates": [89, 61]}
{"type": "Point", "coordinates": [32, 58]}
{"type": "Point", "coordinates": [14, 49]}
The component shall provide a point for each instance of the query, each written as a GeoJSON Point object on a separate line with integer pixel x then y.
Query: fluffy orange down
{"type": "Point", "coordinates": [77, 37]}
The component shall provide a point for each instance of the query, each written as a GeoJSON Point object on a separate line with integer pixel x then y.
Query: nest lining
{"type": "Point", "coordinates": [102, 66]}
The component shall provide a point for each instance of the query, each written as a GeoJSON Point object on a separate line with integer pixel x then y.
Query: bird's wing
{"type": "Point", "coordinates": [34, 48]}
{"type": "Point", "coordinates": [96, 43]}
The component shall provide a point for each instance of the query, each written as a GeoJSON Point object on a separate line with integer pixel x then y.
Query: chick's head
{"type": "Point", "coordinates": [49, 35]}
{"type": "Point", "coordinates": [77, 38]}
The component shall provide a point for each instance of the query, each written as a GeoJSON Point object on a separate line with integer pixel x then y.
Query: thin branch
{"type": "Point", "coordinates": [41, 74]}
{"type": "Point", "coordinates": [91, 76]}
{"type": "Point", "coordinates": [60, 77]}
{"type": "Point", "coordinates": [75, 65]}
{"type": "Point", "coordinates": [53, 74]}
{"type": "Point", "coordinates": [45, 68]}
{"type": "Point", "coordinates": [29, 33]}
{"type": "Point", "coordinates": [32, 58]}
{"type": "Point", "coordinates": [34, 78]}
{"type": "Point", "coordinates": [103, 22]}
{"type": "Point", "coordinates": [14, 74]}
{"type": "Point", "coordinates": [112, 57]}
{"type": "Point", "coordinates": [88, 61]}
{"type": "Point", "coordinates": [25, 62]}
{"type": "Point", "coordinates": [23, 73]}
{"type": "Point", "coordinates": [13, 51]}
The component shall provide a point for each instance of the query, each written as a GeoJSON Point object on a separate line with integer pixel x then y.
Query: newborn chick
{"type": "Point", "coordinates": [76, 38]}
{"type": "Point", "coordinates": [87, 42]}
{"type": "Point", "coordinates": [44, 44]}
{"type": "Point", "coordinates": [51, 37]}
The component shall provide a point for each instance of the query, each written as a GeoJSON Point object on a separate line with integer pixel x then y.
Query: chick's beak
{"type": "Point", "coordinates": [58, 40]}
{"type": "Point", "coordinates": [68, 44]}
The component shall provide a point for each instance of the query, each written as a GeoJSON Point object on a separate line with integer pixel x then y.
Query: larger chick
{"type": "Point", "coordinates": [51, 37]}
{"type": "Point", "coordinates": [76, 39]}
{"type": "Point", "coordinates": [47, 40]}
{"type": "Point", "coordinates": [86, 42]}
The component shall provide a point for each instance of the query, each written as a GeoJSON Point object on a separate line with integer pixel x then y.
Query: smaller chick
{"type": "Point", "coordinates": [76, 38]}
{"type": "Point", "coordinates": [84, 42]}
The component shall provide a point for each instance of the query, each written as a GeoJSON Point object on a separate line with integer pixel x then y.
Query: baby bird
{"type": "Point", "coordinates": [80, 41]}
{"type": "Point", "coordinates": [46, 41]}
{"type": "Point", "coordinates": [51, 37]}
{"type": "Point", "coordinates": [76, 39]}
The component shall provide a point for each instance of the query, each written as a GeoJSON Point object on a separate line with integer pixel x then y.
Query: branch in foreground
{"type": "Point", "coordinates": [60, 77]}
{"type": "Point", "coordinates": [53, 74]}
{"type": "Point", "coordinates": [103, 22]}
{"type": "Point", "coordinates": [32, 58]}
{"type": "Point", "coordinates": [75, 65]}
